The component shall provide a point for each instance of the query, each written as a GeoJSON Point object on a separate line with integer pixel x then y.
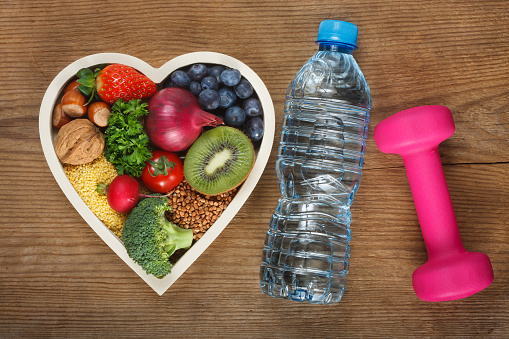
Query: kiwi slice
{"type": "Point", "coordinates": [219, 160]}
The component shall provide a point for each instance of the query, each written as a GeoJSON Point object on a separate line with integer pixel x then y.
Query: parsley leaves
{"type": "Point", "coordinates": [126, 141]}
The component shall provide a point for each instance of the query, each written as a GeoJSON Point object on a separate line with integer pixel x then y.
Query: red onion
{"type": "Point", "coordinates": [175, 119]}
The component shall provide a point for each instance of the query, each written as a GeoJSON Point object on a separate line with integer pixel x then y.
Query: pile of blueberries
{"type": "Point", "coordinates": [224, 92]}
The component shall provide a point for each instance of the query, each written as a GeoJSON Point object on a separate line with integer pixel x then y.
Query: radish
{"type": "Point", "coordinates": [123, 193]}
{"type": "Point", "coordinates": [175, 119]}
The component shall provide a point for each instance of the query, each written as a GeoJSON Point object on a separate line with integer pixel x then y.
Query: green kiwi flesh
{"type": "Point", "coordinates": [219, 160]}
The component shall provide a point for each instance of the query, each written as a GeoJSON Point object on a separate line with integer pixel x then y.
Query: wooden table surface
{"type": "Point", "coordinates": [58, 279]}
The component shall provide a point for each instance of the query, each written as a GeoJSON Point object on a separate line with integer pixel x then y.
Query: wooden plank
{"type": "Point", "coordinates": [58, 279]}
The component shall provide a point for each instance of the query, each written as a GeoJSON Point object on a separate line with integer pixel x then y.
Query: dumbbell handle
{"type": "Point", "coordinates": [433, 202]}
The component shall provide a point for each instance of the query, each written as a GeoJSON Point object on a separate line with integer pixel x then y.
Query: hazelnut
{"type": "Point", "coordinates": [73, 104]}
{"type": "Point", "coordinates": [98, 113]}
{"type": "Point", "coordinates": [59, 117]}
{"type": "Point", "coordinates": [73, 85]}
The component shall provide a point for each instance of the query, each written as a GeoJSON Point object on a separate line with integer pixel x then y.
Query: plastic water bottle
{"type": "Point", "coordinates": [319, 168]}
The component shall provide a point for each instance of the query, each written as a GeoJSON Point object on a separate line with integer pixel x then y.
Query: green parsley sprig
{"type": "Point", "coordinates": [125, 140]}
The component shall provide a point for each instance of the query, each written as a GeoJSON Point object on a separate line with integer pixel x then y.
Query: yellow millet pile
{"type": "Point", "coordinates": [85, 178]}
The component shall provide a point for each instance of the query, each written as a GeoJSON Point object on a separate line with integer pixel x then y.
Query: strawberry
{"type": "Point", "coordinates": [115, 82]}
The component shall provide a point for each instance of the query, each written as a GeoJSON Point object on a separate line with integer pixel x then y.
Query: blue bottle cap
{"type": "Point", "coordinates": [336, 31]}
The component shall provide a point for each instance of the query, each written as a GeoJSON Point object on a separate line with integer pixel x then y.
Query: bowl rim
{"type": "Point", "coordinates": [47, 133]}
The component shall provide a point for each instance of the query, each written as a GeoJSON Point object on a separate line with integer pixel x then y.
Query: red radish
{"type": "Point", "coordinates": [175, 119]}
{"type": "Point", "coordinates": [123, 193]}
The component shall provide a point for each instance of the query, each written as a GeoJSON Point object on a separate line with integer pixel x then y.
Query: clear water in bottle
{"type": "Point", "coordinates": [319, 168]}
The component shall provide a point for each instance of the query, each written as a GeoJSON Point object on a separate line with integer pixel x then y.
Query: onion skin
{"type": "Point", "coordinates": [175, 119]}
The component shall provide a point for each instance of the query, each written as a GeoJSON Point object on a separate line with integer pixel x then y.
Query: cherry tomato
{"type": "Point", "coordinates": [163, 172]}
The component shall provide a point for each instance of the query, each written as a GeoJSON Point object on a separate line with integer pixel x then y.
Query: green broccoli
{"type": "Point", "coordinates": [150, 239]}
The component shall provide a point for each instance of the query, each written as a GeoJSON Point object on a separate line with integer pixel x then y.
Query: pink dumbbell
{"type": "Point", "coordinates": [451, 272]}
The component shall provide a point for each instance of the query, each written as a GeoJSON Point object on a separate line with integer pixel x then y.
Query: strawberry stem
{"type": "Point", "coordinates": [87, 83]}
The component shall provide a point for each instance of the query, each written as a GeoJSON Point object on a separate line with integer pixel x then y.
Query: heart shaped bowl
{"type": "Point", "coordinates": [158, 75]}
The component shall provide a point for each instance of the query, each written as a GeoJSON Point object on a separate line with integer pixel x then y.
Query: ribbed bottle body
{"type": "Point", "coordinates": [319, 169]}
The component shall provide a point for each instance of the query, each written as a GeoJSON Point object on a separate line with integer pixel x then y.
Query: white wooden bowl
{"type": "Point", "coordinates": [48, 134]}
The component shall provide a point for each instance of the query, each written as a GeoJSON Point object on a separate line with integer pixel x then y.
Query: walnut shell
{"type": "Point", "coordinates": [79, 142]}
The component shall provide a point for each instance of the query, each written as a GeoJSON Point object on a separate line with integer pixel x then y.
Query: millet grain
{"type": "Point", "coordinates": [84, 178]}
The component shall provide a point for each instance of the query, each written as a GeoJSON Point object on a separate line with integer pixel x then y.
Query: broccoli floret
{"type": "Point", "coordinates": [150, 239]}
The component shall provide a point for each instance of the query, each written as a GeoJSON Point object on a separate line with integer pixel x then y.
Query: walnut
{"type": "Point", "coordinates": [79, 142]}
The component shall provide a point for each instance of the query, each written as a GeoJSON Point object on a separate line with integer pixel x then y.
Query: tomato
{"type": "Point", "coordinates": [163, 172]}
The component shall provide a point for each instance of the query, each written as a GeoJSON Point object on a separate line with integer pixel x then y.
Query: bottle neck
{"type": "Point", "coordinates": [335, 47]}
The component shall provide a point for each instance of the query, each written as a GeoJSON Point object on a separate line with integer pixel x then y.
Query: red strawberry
{"type": "Point", "coordinates": [115, 82]}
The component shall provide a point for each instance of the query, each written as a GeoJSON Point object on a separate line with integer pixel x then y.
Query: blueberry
{"type": "Point", "coordinates": [254, 129]}
{"type": "Point", "coordinates": [228, 97]}
{"type": "Point", "coordinates": [209, 99]}
{"type": "Point", "coordinates": [244, 89]}
{"type": "Point", "coordinates": [209, 82]}
{"type": "Point", "coordinates": [167, 83]}
{"type": "Point", "coordinates": [216, 71]}
{"type": "Point", "coordinates": [252, 107]}
{"type": "Point", "coordinates": [180, 79]}
{"type": "Point", "coordinates": [195, 87]}
{"type": "Point", "coordinates": [197, 72]}
{"type": "Point", "coordinates": [230, 77]}
{"type": "Point", "coordinates": [234, 116]}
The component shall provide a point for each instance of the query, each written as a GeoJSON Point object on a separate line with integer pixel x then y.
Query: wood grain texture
{"type": "Point", "coordinates": [58, 279]}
